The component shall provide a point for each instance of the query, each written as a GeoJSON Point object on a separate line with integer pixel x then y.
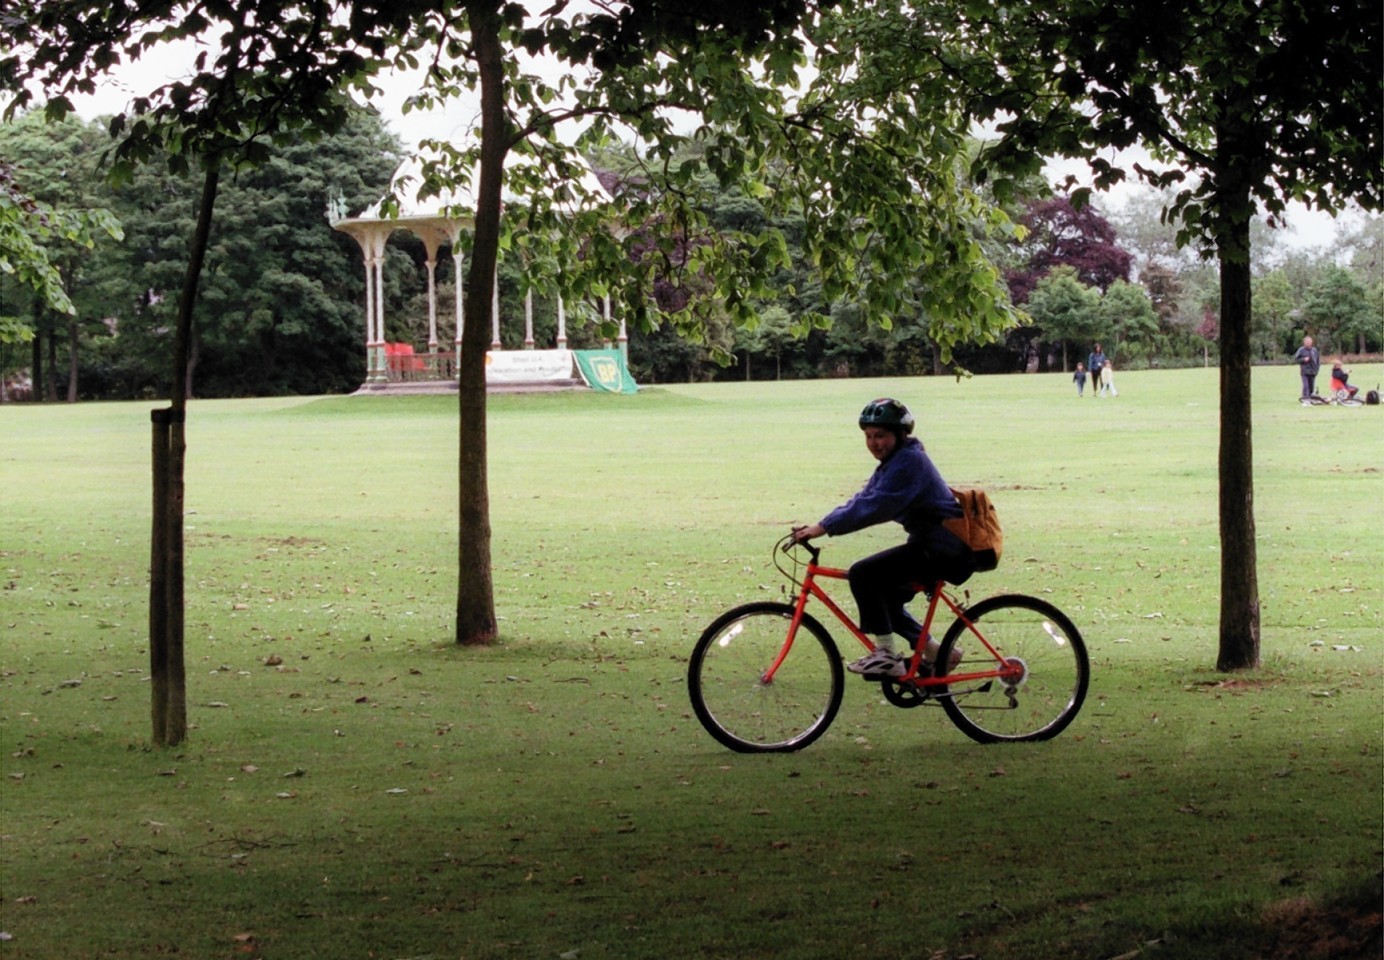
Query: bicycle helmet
{"type": "Point", "coordinates": [887, 412]}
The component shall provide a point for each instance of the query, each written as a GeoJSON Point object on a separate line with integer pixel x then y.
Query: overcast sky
{"type": "Point", "coordinates": [1307, 229]}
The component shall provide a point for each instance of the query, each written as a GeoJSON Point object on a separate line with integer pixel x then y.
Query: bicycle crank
{"type": "Point", "coordinates": [908, 694]}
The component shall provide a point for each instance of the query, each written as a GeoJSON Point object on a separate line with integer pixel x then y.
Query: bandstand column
{"type": "Point", "coordinates": [377, 350]}
{"type": "Point", "coordinates": [457, 257]}
{"type": "Point", "coordinates": [432, 300]}
{"type": "Point", "coordinates": [561, 324]}
{"type": "Point", "coordinates": [528, 320]}
{"type": "Point", "coordinates": [369, 312]}
{"type": "Point", "coordinates": [495, 314]}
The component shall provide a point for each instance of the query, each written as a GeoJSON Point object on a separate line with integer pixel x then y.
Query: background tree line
{"type": "Point", "coordinates": [281, 311]}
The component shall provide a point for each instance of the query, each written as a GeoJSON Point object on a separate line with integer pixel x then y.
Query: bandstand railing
{"type": "Point", "coordinates": [421, 367]}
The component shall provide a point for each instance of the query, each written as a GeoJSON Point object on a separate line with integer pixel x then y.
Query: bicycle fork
{"type": "Point", "coordinates": [809, 589]}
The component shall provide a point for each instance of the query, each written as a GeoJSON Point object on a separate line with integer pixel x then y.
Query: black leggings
{"type": "Point", "coordinates": [882, 582]}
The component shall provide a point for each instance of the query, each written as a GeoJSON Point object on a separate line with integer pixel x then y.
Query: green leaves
{"type": "Point", "coordinates": [30, 230]}
{"type": "Point", "coordinates": [268, 68]}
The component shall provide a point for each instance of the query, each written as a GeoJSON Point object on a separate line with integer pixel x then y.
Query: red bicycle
{"type": "Point", "coordinates": [767, 677]}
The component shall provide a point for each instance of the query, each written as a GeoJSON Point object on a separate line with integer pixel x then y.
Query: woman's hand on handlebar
{"type": "Point", "coordinates": [803, 534]}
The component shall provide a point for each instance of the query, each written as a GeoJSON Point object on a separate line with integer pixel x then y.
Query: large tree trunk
{"type": "Point", "coordinates": [50, 382]}
{"type": "Point", "coordinates": [1239, 637]}
{"type": "Point", "coordinates": [476, 622]}
{"type": "Point", "coordinates": [194, 353]}
{"type": "Point", "coordinates": [72, 336]}
{"type": "Point", "coordinates": [36, 367]}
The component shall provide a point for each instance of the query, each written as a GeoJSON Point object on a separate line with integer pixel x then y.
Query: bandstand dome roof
{"type": "Point", "coordinates": [454, 203]}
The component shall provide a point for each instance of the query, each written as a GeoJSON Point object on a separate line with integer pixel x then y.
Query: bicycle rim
{"type": "Point", "coordinates": [725, 680]}
{"type": "Point", "coordinates": [1029, 633]}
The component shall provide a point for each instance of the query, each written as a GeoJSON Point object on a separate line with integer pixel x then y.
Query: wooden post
{"type": "Point", "coordinates": [167, 670]}
{"type": "Point", "coordinates": [176, 725]}
{"type": "Point", "coordinates": [158, 581]}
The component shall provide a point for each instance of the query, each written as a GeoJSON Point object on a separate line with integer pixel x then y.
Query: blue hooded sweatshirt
{"type": "Point", "coordinates": [906, 488]}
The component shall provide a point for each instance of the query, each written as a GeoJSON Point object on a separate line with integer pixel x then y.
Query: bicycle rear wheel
{"type": "Point", "coordinates": [725, 679]}
{"type": "Point", "coordinates": [1050, 664]}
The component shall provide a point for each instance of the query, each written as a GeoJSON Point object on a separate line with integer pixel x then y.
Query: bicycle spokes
{"type": "Point", "coordinates": [1041, 671]}
{"type": "Point", "coordinates": [753, 691]}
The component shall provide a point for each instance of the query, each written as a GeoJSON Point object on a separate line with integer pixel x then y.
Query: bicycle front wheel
{"type": "Point", "coordinates": [1046, 664]}
{"type": "Point", "coordinates": [745, 707]}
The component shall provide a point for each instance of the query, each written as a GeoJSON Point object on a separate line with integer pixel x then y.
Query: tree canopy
{"type": "Point", "coordinates": [1062, 234]}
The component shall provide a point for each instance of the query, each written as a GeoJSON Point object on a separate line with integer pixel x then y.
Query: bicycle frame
{"type": "Point", "coordinates": [1024, 682]}
{"type": "Point", "coordinates": [809, 588]}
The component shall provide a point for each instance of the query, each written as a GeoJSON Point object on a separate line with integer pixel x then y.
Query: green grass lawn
{"type": "Point", "coordinates": [355, 785]}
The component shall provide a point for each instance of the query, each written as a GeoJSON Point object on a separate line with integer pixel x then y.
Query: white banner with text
{"type": "Point", "coordinates": [527, 366]}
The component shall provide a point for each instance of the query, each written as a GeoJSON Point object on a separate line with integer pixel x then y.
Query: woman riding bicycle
{"type": "Point", "coordinates": [907, 488]}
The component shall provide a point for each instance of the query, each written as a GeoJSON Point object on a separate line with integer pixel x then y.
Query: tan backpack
{"type": "Point", "coordinates": [978, 527]}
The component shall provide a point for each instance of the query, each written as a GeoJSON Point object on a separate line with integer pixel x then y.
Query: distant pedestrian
{"type": "Point", "coordinates": [1079, 378]}
{"type": "Point", "coordinates": [1096, 363]}
{"type": "Point", "coordinates": [1107, 380]}
{"type": "Point", "coordinates": [1309, 362]}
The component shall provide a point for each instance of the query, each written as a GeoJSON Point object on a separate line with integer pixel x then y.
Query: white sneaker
{"type": "Point", "coordinates": [878, 664]}
{"type": "Point", "coordinates": [931, 648]}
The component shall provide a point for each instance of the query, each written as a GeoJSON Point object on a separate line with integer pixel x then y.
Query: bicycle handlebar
{"type": "Point", "coordinates": [788, 543]}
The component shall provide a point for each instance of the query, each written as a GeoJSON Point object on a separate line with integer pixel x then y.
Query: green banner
{"type": "Point", "coordinates": [605, 370]}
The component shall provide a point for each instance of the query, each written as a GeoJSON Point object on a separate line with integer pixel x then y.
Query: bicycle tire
{"type": "Point", "coordinates": [1056, 676]}
{"type": "Point", "coordinates": [725, 680]}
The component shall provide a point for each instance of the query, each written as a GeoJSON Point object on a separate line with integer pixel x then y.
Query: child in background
{"type": "Point", "coordinates": [1107, 380]}
{"type": "Point", "coordinates": [1080, 379]}
{"type": "Point", "coordinates": [1340, 380]}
